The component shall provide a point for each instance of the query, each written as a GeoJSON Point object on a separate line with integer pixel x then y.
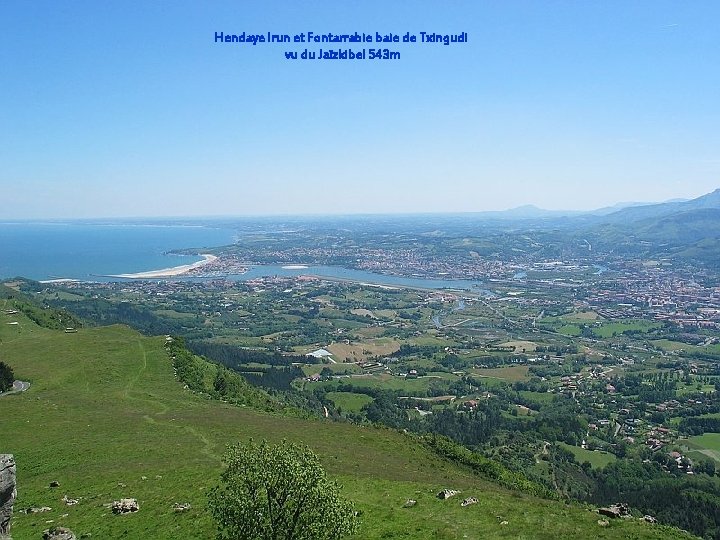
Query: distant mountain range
{"type": "Point", "coordinates": [686, 229]}
{"type": "Point", "coordinates": [636, 213]}
{"type": "Point", "coordinates": [676, 229]}
{"type": "Point", "coordinates": [620, 210]}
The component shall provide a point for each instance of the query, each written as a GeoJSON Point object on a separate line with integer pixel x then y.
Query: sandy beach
{"type": "Point", "coordinates": [168, 272]}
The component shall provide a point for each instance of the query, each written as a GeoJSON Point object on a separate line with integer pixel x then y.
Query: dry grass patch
{"type": "Point", "coordinates": [355, 352]}
{"type": "Point", "coordinates": [509, 373]}
{"type": "Point", "coordinates": [520, 346]}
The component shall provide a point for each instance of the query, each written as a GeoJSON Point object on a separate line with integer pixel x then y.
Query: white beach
{"type": "Point", "coordinates": [168, 272]}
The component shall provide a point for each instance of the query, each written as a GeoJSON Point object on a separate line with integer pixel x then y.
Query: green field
{"type": "Point", "coordinates": [668, 345]}
{"type": "Point", "coordinates": [570, 330]}
{"type": "Point", "coordinates": [613, 329]}
{"type": "Point", "coordinates": [349, 401]}
{"type": "Point", "coordinates": [105, 417]}
{"type": "Point", "coordinates": [597, 458]}
{"type": "Point", "coordinates": [707, 444]}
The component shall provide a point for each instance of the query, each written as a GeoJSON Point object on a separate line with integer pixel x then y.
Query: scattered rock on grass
{"type": "Point", "coordinates": [37, 509]}
{"type": "Point", "coordinates": [409, 503]}
{"type": "Point", "coordinates": [447, 493]}
{"type": "Point", "coordinates": [125, 506]}
{"type": "Point", "coordinates": [469, 501]}
{"type": "Point", "coordinates": [181, 507]}
{"type": "Point", "coordinates": [70, 502]}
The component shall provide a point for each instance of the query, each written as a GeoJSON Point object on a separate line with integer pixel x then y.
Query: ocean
{"type": "Point", "coordinates": [78, 250]}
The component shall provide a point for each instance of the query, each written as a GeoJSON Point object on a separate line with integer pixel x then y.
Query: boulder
{"type": "Point", "coordinates": [469, 501]}
{"type": "Point", "coordinates": [650, 519]}
{"type": "Point", "coordinates": [617, 510]}
{"type": "Point", "coordinates": [37, 509]}
{"type": "Point", "coordinates": [54, 484]}
{"type": "Point", "coordinates": [409, 503]}
{"type": "Point", "coordinates": [181, 507]}
{"type": "Point", "coordinates": [125, 506]}
{"type": "Point", "coordinates": [70, 502]}
{"type": "Point", "coordinates": [447, 493]}
{"type": "Point", "coordinates": [58, 533]}
{"type": "Point", "coordinates": [7, 492]}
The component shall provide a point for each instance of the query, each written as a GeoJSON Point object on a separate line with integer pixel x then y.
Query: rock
{"type": "Point", "coordinates": [181, 507]}
{"type": "Point", "coordinates": [125, 506]}
{"type": "Point", "coordinates": [409, 503]}
{"type": "Point", "coordinates": [38, 509]}
{"type": "Point", "coordinates": [603, 522]}
{"type": "Point", "coordinates": [70, 502]}
{"type": "Point", "coordinates": [649, 519]}
{"type": "Point", "coordinates": [469, 501]}
{"type": "Point", "coordinates": [58, 533]}
{"type": "Point", "coordinates": [504, 522]}
{"type": "Point", "coordinates": [617, 510]}
{"type": "Point", "coordinates": [7, 492]}
{"type": "Point", "coordinates": [447, 493]}
{"type": "Point", "coordinates": [54, 484]}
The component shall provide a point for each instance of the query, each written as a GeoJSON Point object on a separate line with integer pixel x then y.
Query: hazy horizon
{"type": "Point", "coordinates": [619, 205]}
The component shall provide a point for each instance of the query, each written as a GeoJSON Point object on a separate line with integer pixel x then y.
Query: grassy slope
{"type": "Point", "coordinates": [105, 410]}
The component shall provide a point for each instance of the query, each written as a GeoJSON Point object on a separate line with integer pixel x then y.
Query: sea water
{"type": "Point", "coordinates": [78, 250]}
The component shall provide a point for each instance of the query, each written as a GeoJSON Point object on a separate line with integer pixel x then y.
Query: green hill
{"type": "Point", "coordinates": [106, 418]}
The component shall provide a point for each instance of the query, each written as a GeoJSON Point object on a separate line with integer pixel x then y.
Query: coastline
{"type": "Point", "coordinates": [168, 272]}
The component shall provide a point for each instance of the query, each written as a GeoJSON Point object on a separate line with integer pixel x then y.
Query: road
{"type": "Point", "coordinates": [18, 386]}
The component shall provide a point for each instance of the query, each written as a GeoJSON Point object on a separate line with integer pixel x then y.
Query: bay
{"type": "Point", "coordinates": [75, 250]}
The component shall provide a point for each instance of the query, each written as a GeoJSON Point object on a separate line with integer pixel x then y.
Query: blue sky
{"type": "Point", "coordinates": [131, 109]}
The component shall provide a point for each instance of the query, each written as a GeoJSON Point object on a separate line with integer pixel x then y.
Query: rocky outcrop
{"type": "Point", "coordinates": [7, 492]}
{"type": "Point", "coordinates": [619, 510]}
{"type": "Point", "coordinates": [469, 501]}
{"type": "Point", "coordinates": [447, 493]}
{"type": "Point", "coordinates": [58, 533]}
{"type": "Point", "coordinates": [125, 506]}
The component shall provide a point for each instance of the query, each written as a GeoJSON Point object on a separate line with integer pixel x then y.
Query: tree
{"type": "Point", "coordinates": [278, 492]}
{"type": "Point", "coordinates": [6, 377]}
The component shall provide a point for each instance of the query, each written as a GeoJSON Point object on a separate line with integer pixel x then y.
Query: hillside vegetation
{"type": "Point", "coordinates": [106, 417]}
